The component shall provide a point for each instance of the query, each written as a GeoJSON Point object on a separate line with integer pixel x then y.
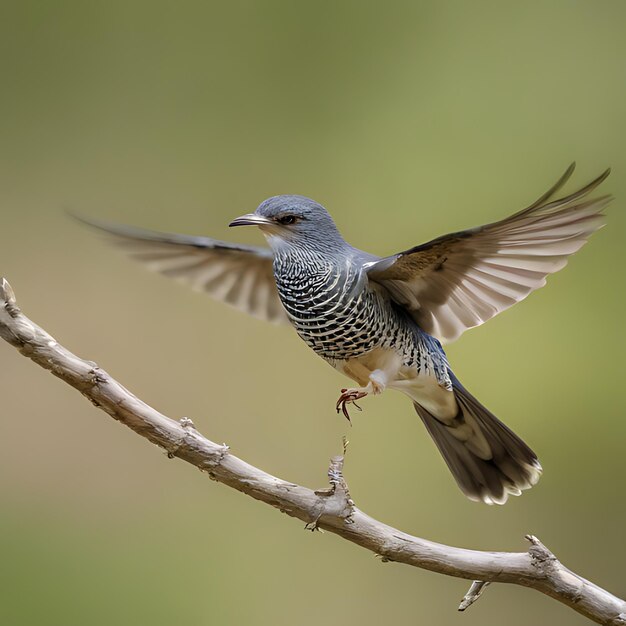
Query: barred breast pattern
{"type": "Point", "coordinates": [340, 320]}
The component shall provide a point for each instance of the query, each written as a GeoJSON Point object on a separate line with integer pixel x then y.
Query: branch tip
{"type": "Point", "coordinates": [6, 292]}
{"type": "Point", "coordinates": [538, 551]}
{"type": "Point", "coordinates": [334, 501]}
{"type": "Point", "coordinates": [474, 592]}
{"type": "Point", "coordinates": [314, 525]}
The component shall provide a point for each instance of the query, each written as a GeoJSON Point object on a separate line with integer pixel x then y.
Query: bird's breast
{"type": "Point", "coordinates": [333, 309]}
{"type": "Point", "coordinates": [323, 305]}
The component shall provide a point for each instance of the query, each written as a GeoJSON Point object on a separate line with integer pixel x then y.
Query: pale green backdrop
{"type": "Point", "coordinates": [407, 120]}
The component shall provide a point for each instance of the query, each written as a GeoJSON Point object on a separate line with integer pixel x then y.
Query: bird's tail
{"type": "Point", "coordinates": [488, 461]}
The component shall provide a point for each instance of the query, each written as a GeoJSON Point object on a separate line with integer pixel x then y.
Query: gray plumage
{"type": "Point", "coordinates": [381, 321]}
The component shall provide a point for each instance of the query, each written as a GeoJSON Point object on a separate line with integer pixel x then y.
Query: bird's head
{"type": "Point", "coordinates": [295, 221]}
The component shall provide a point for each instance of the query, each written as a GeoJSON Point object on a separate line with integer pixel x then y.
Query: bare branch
{"type": "Point", "coordinates": [330, 509]}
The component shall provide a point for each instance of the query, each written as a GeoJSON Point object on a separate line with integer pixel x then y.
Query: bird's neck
{"type": "Point", "coordinates": [311, 253]}
{"type": "Point", "coordinates": [308, 264]}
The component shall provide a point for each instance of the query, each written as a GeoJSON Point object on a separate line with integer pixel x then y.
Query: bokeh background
{"type": "Point", "coordinates": [407, 120]}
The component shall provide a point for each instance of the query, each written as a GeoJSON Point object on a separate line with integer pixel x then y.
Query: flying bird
{"type": "Point", "coordinates": [382, 321]}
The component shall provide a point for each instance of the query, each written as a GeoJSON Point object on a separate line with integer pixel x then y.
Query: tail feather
{"type": "Point", "coordinates": [487, 459]}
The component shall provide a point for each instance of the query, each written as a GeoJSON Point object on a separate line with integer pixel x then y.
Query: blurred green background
{"type": "Point", "coordinates": [407, 120]}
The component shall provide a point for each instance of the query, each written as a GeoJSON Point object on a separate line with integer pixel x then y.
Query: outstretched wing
{"type": "Point", "coordinates": [461, 280]}
{"type": "Point", "coordinates": [238, 275]}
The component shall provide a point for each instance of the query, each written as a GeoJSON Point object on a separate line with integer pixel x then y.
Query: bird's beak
{"type": "Point", "coordinates": [251, 219]}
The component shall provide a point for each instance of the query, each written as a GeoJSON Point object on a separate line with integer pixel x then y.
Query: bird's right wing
{"type": "Point", "coordinates": [238, 275]}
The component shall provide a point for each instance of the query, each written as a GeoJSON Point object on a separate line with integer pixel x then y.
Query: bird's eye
{"type": "Point", "coordinates": [285, 220]}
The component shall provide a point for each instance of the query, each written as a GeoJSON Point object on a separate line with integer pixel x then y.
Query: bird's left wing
{"type": "Point", "coordinates": [461, 280]}
{"type": "Point", "coordinates": [238, 275]}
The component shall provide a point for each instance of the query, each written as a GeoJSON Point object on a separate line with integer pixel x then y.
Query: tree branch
{"type": "Point", "coordinates": [330, 509]}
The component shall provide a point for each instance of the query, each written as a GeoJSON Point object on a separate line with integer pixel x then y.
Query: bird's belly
{"type": "Point", "coordinates": [385, 359]}
{"type": "Point", "coordinates": [401, 375]}
{"type": "Point", "coordinates": [426, 386]}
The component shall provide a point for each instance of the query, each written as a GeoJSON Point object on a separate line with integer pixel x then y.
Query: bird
{"type": "Point", "coordinates": [383, 321]}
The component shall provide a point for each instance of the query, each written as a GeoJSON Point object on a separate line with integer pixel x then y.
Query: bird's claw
{"type": "Point", "coordinates": [349, 396]}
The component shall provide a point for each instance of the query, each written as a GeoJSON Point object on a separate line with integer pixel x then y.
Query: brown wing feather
{"type": "Point", "coordinates": [461, 280]}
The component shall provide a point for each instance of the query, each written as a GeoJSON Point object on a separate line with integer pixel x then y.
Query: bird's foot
{"type": "Point", "coordinates": [349, 396]}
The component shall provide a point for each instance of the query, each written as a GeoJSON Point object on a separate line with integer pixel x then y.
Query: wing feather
{"type": "Point", "coordinates": [238, 275]}
{"type": "Point", "coordinates": [461, 280]}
